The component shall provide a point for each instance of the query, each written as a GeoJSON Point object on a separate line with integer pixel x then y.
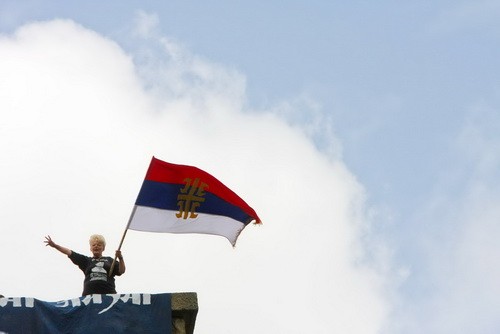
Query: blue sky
{"type": "Point", "coordinates": [405, 96]}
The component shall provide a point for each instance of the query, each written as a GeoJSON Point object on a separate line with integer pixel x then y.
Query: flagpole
{"type": "Point", "coordinates": [123, 238]}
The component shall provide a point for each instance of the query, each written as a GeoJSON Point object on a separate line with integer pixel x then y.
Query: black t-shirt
{"type": "Point", "coordinates": [96, 272]}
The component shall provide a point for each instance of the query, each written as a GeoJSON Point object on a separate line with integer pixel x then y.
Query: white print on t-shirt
{"type": "Point", "coordinates": [98, 273]}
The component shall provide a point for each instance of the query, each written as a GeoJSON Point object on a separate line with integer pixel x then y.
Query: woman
{"type": "Point", "coordinates": [96, 268]}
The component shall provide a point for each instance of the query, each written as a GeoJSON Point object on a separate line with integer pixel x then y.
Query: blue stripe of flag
{"type": "Point", "coordinates": [164, 196]}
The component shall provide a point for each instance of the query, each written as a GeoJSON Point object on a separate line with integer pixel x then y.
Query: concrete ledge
{"type": "Point", "coordinates": [184, 312]}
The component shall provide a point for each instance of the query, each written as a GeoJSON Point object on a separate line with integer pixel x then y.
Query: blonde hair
{"type": "Point", "coordinates": [98, 238]}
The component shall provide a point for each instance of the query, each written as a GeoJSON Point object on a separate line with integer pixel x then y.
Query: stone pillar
{"type": "Point", "coordinates": [184, 311]}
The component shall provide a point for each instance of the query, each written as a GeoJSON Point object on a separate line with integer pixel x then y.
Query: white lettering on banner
{"type": "Point", "coordinates": [17, 302]}
{"type": "Point", "coordinates": [134, 298]}
{"type": "Point", "coordinates": [65, 303]}
{"type": "Point", "coordinates": [96, 299]}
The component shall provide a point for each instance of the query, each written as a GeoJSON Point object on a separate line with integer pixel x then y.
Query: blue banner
{"type": "Point", "coordinates": [112, 313]}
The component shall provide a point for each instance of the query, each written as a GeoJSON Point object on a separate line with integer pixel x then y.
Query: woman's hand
{"type": "Point", "coordinates": [121, 268]}
{"type": "Point", "coordinates": [48, 242]}
{"type": "Point", "coordinates": [119, 255]}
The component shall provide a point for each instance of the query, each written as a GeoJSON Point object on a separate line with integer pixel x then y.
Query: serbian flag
{"type": "Point", "coordinates": [185, 199]}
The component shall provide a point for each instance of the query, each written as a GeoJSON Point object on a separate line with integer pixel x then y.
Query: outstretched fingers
{"type": "Point", "coordinates": [48, 241]}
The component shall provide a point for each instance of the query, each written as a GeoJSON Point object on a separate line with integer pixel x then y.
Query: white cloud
{"type": "Point", "coordinates": [78, 127]}
{"type": "Point", "coordinates": [145, 24]}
